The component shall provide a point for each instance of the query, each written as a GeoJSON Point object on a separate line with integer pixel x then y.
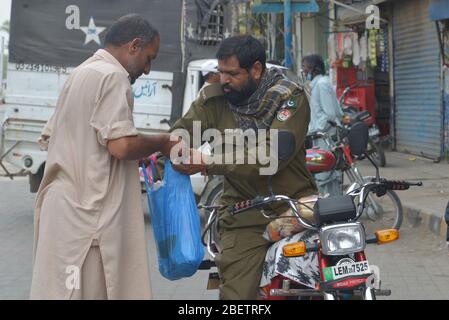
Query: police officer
{"type": "Point", "coordinates": [250, 97]}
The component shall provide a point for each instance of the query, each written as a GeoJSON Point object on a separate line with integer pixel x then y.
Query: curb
{"type": "Point", "coordinates": [431, 221]}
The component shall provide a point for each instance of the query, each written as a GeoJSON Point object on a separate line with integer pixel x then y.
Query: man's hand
{"type": "Point", "coordinates": [174, 141]}
{"type": "Point", "coordinates": [194, 164]}
{"type": "Point", "coordinates": [140, 146]}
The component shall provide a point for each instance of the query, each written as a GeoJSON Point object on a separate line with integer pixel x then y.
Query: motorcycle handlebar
{"type": "Point", "coordinates": [397, 185]}
{"type": "Point", "coordinates": [378, 186]}
{"type": "Point", "coordinates": [363, 191]}
{"type": "Point", "coordinates": [401, 185]}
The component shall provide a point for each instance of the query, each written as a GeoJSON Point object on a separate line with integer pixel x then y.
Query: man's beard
{"type": "Point", "coordinates": [237, 97]}
{"type": "Point", "coordinates": [133, 76]}
{"type": "Point", "coordinates": [134, 72]}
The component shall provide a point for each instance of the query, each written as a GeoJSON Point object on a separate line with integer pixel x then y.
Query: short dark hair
{"type": "Point", "coordinates": [246, 48]}
{"type": "Point", "coordinates": [316, 62]}
{"type": "Point", "coordinates": [130, 27]}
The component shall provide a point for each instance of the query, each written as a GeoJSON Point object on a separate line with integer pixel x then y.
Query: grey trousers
{"type": "Point", "coordinates": [330, 181]}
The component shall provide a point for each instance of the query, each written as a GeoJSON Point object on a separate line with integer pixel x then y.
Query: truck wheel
{"type": "Point", "coordinates": [36, 179]}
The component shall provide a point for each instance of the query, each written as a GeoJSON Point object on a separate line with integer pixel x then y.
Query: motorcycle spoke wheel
{"type": "Point", "coordinates": [384, 213]}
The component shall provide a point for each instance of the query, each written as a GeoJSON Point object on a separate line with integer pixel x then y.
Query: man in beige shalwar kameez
{"type": "Point", "coordinates": [89, 224]}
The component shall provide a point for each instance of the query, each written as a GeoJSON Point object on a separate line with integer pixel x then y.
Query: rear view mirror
{"type": "Point", "coordinates": [358, 139]}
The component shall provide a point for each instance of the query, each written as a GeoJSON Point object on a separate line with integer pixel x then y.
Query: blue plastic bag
{"type": "Point", "coordinates": [176, 223]}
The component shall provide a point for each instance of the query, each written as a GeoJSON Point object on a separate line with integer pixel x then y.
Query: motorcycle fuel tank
{"type": "Point", "coordinates": [318, 160]}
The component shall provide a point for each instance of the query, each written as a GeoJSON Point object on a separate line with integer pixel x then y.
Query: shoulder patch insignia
{"type": "Point", "coordinates": [283, 114]}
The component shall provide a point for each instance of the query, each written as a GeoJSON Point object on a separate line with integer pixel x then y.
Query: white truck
{"type": "Point", "coordinates": [46, 43]}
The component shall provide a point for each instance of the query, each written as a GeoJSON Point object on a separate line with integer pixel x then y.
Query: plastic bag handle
{"type": "Point", "coordinates": [153, 160]}
{"type": "Point", "coordinates": [145, 178]}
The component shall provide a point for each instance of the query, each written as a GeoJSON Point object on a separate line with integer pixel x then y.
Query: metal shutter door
{"type": "Point", "coordinates": [417, 75]}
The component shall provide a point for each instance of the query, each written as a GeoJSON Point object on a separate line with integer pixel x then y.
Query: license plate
{"type": "Point", "coordinates": [373, 132]}
{"type": "Point", "coordinates": [345, 270]}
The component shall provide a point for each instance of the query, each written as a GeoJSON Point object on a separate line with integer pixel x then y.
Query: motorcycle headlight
{"type": "Point", "coordinates": [341, 239]}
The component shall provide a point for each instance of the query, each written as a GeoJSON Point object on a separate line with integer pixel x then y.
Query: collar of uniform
{"type": "Point", "coordinates": [110, 58]}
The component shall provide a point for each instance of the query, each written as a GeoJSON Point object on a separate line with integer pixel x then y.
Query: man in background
{"type": "Point", "coordinates": [210, 74]}
{"type": "Point", "coordinates": [324, 107]}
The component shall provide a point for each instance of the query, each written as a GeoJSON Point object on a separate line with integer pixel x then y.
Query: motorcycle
{"type": "Point", "coordinates": [383, 211]}
{"type": "Point", "coordinates": [351, 115]}
{"type": "Point", "coordinates": [327, 260]}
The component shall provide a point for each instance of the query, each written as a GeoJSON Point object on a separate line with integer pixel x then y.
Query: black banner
{"type": "Point", "coordinates": [67, 32]}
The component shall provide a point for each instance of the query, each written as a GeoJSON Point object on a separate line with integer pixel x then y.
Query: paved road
{"type": "Point", "coordinates": [415, 267]}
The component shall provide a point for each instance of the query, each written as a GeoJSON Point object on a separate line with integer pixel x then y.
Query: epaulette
{"type": "Point", "coordinates": [210, 91]}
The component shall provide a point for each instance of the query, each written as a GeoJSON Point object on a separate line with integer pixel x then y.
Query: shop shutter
{"type": "Point", "coordinates": [417, 76]}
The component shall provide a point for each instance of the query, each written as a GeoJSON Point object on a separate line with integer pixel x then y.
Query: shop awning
{"type": "Point", "coordinates": [439, 9]}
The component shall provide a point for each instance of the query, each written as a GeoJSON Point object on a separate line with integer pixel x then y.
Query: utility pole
{"type": "Point", "coordinates": [2, 51]}
{"type": "Point", "coordinates": [288, 46]}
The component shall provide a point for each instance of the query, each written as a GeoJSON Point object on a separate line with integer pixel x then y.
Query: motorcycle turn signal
{"type": "Point", "coordinates": [386, 236]}
{"type": "Point", "coordinates": [296, 249]}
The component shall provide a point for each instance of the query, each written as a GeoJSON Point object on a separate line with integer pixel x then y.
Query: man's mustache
{"type": "Point", "coordinates": [227, 87]}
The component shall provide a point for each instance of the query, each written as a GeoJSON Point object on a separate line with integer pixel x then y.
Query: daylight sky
{"type": "Point", "coordinates": [5, 9]}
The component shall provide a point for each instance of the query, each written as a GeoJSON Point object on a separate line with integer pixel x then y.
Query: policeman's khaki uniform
{"type": "Point", "coordinates": [243, 247]}
{"type": "Point", "coordinates": [88, 216]}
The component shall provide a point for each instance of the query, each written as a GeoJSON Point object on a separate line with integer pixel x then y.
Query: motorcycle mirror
{"type": "Point", "coordinates": [358, 139]}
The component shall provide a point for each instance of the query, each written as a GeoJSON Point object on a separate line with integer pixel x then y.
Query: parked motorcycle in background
{"type": "Point", "coordinates": [352, 114]}
{"type": "Point", "coordinates": [379, 212]}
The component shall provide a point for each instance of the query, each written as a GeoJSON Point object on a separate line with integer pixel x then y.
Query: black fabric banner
{"type": "Point", "coordinates": [67, 32]}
